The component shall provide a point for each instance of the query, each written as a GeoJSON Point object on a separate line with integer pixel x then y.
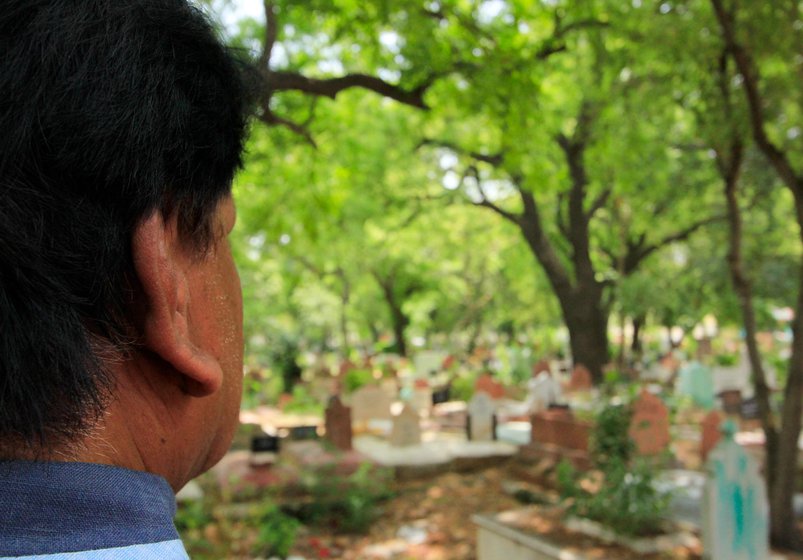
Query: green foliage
{"type": "Point", "coordinates": [356, 378]}
{"type": "Point", "coordinates": [726, 360]}
{"type": "Point", "coordinates": [610, 441]}
{"type": "Point", "coordinates": [304, 402]}
{"type": "Point", "coordinates": [462, 387]}
{"type": "Point", "coordinates": [192, 516]}
{"type": "Point", "coordinates": [626, 501]}
{"type": "Point", "coordinates": [623, 496]}
{"type": "Point", "coordinates": [346, 503]}
{"type": "Point", "coordinates": [284, 357]}
{"type": "Point", "coordinates": [276, 531]}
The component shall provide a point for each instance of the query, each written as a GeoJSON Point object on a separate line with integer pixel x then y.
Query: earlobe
{"type": "Point", "coordinates": [160, 262]}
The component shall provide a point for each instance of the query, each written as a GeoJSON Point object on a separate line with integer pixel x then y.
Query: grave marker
{"type": "Point", "coordinates": [488, 384]}
{"type": "Point", "coordinates": [649, 427]}
{"type": "Point", "coordinates": [542, 392]}
{"type": "Point", "coordinates": [481, 419]}
{"type": "Point", "coordinates": [711, 433]}
{"type": "Point", "coordinates": [735, 509]}
{"type": "Point", "coordinates": [370, 403]}
{"type": "Point", "coordinates": [422, 396]}
{"type": "Point", "coordinates": [338, 424]}
{"type": "Point", "coordinates": [406, 428]}
{"type": "Point", "coordinates": [697, 381]}
{"type": "Point", "coordinates": [580, 379]}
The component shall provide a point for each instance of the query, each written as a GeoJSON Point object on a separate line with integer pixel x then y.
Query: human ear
{"type": "Point", "coordinates": [160, 262]}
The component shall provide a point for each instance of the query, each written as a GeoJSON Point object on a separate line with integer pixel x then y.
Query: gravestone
{"type": "Point", "coordinates": [697, 381]}
{"type": "Point", "coordinates": [542, 392]}
{"type": "Point", "coordinates": [542, 366]}
{"type": "Point", "coordinates": [406, 428]}
{"type": "Point", "coordinates": [370, 403]}
{"type": "Point", "coordinates": [338, 424]}
{"type": "Point", "coordinates": [422, 396]}
{"type": "Point", "coordinates": [735, 509]}
{"type": "Point", "coordinates": [481, 420]}
{"type": "Point", "coordinates": [749, 409]}
{"type": "Point", "coordinates": [580, 379]}
{"type": "Point", "coordinates": [710, 432]}
{"type": "Point", "coordinates": [731, 400]}
{"type": "Point", "coordinates": [488, 384]}
{"type": "Point", "coordinates": [649, 426]}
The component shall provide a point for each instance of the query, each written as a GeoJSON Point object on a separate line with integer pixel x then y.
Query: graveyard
{"type": "Point", "coordinates": [521, 279]}
{"type": "Point", "coordinates": [663, 463]}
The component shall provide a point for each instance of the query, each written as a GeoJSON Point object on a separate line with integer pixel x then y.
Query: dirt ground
{"type": "Point", "coordinates": [431, 520]}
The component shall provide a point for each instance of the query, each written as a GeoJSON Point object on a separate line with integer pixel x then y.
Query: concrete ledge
{"type": "Point", "coordinates": [497, 541]}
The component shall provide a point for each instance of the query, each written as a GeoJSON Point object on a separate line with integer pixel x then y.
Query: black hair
{"type": "Point", "coordinates": [110, 110]}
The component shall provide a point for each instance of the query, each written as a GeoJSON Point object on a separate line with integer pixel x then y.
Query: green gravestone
{"type": "Point", "coordinates": [697, 381]}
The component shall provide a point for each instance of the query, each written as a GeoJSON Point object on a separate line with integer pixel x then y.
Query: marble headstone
{"type": "Point", "coordinates": [711, 434]}
{"type": "Point", "coordinates": [406, 428]}
{"type": "Point", "coordinates": [481, 417]}
{"type": "Point", "coordinates": [542, 390]}
{"type": "Point", "coordinates": [735, 509]}
{"type": "Point", "coordinates": [370, 403]}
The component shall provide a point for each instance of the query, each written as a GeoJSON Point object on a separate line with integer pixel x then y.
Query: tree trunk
{"type": "Point", "coordinates": [636, 346]}
{"type": "Point", "coordinates": [743, 287]}
{"type": "Point", "coordinates": [400, 324]}
{"type": "Point", "coordinates": [587, 321]}
{"type": "Point", "coordinates": [783, 526]}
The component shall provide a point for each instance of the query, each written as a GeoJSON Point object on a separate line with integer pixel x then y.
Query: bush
{"type": "Point", "coordinates": [624, 498]}
{"type": "Point", "coordinates": [348, 504]}
{"type": "Point", "coordinates": [276, 531]}
{"type": "Point", "coordinates": [356, 378]}
{"type": "Point", "coordinates": [304, 402]}
{"type": "Point", "coordinates": [610, 440]}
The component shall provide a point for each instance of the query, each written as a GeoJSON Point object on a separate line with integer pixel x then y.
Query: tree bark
{"type": "Point", "coordinates": [730, 169]}
{"type": "Point", "coordinates": [587, 321]}
{"type": "Point", "coordinates": [399, 320]}
{"type": "Point", "coordinates": [636, 345]}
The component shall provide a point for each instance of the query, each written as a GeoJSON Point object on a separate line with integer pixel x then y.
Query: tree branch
{"type": "Point", "coordinates": [330, 87]}
{"type": "Point", "coordinates": [494, 160]}
{"type": "Point", "coordinates": [639, 251]}
{"type": "Point", "coordinates": [272, 119]}
{"type": "Point", "coordinates": [598, 203]}
{"type": "Point", "coordinates": [747, 68]}
{"type": "Point", "coordinates": [271, 32]}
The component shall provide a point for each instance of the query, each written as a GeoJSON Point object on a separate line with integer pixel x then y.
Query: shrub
{"type": "Point", "coordinates": [356, 378]}
{"type": "Point", "coordinates": [347, 503]}
{"type": "Point", "coordinates": [624, 498]}
{"type": "Point", "coordinates": [276, 531]}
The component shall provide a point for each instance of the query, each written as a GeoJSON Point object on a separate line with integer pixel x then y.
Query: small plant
{"type": "Point", "coordinates": [610, 440]}
{"type": "Point", "coordinates": [356, 378]}
{"type": "Point", "coordinates": [726, 360]}
{"type": "Point", "coordinates": [622, 496]}
{"type": "Point", "coordinates": [348, 504]}
{"type": "Point", "coordinates": [276, 531]}
{"type": "Point", "coordinates": [303, 402]}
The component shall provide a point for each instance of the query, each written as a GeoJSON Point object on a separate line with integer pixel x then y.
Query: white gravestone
{"type": "Point", "coordinates": [406, 428]}
{"type": "Point", "coordinates": [735, 510]}
{"type": "Point", "coordinates": [370, 403]}
{"type": "Point", "coordinates": [542, 391]}
{"type": "Point", "coordinates": [481, 410]}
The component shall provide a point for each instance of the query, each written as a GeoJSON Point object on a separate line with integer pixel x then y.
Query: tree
{"type": "Point", "coordinates": [771, 109]}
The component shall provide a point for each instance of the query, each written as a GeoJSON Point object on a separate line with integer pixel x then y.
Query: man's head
{"type": "Point", "coordinates": [121, 124]}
